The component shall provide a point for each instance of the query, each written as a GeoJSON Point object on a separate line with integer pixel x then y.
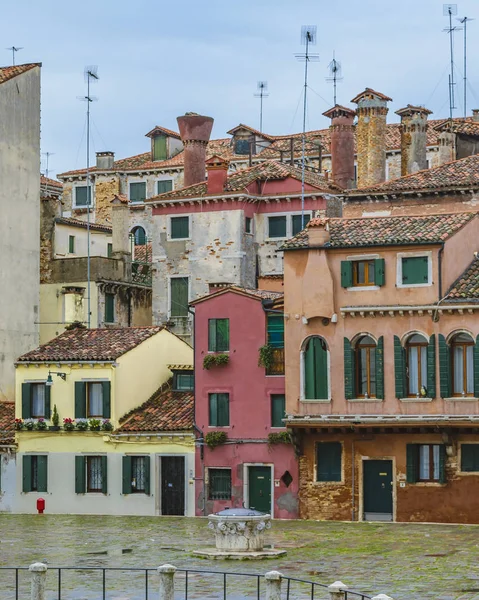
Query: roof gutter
{"type": "Point", "coordinates": [66, 362]}
{"type": "Point", "coordinates": [355, 246]}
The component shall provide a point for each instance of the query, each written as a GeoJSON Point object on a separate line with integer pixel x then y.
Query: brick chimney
{"type": "Point", "coordinates": [105, 160]}
{"type": "Point", "coordinates": [447, 147]}
{"type": "Point", "coordinates": [217, 168]}
{"type": "Point", "coordinates": [413, 138]}
{"type": "Point", "coordinates": [342, 145]}
{"type": "Point", "coordinates": [195, 131]}
{"type": "Point", "coordinates": [119, 224]}
{"type": "Point", "coordinates": [371, 136]}
{"type": "Point", "coordinates": [318, 232]}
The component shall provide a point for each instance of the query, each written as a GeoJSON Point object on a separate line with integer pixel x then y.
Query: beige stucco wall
{"type": "Point", "coordinates": [98, 241]}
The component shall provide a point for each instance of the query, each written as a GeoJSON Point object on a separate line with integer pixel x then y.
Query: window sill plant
{"type": "Point", "coordinates": [281, 437]}
{"type": "Point", "coordinates": [18, 424]}
{"type": "Point", "coordinates": [29, 424]}
{"type": "Point", "coordinates": [68, 424]}
{"type": "Point", "coordinates": [41, 425]}
{"type": "Point", "coordinates": [266, 356]}
{"type": "Point", "coordinates": [81, 424]}
{"type": "Point", "coordinates": [212, 360]}
{"type": "Point", "coordinates": [106, 425]}
{"type": "Point", "coordinates": [94, 424]}
{"type": "Point", "coordinates": [55, 420]}
{"type": "Point", "coordinates": [215, 438]}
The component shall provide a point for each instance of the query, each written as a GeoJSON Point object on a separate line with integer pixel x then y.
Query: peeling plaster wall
{"type": "Point", "coordinates": [7, 481]}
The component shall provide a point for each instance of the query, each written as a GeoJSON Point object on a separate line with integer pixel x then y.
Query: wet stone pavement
{"type": "Point", "coordinates": [401, 560]}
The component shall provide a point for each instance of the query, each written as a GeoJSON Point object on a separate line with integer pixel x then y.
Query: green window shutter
{"type": "Point", "coordinates": [277, 227]}
{"type": "Point", "coordinates": [42, 464]}
{"type": "Point", "coordinates": [275, 329]}
{"type": "Point", "coordinates": [277, 410]}
{"type": "Point", "coordinates": [180, 227]}
{"type": "Point", "coordinates": [379, 271]}
{"type": "Point", "coordinates": [163, 186]}
{"type": "Point", "coordinates": [411, 463]}
{"type": "Point", "coordinates": [321, 369]}
{"type": "Point", "coordinates": [431, 367]}
{"type": "Point", "coordinates": [469, 458]}
{"type": "Point", "coordinates": [126, 474]}
{"type": "Point", "coordinates": [138, 191]}
{"type": "Point", "coordinates": [80, 474]}
{"type": "Point", "coordinates": [380, 369]}
{"type": "Point", "coordinates": [211, 335]}
{"type": "Point", "coordinates": [48, 402]}
{"type": "Point", "coordinates": [147, 475]}
{"type": "Point", "coordinates": [27, 473]}
{"type": "Point", "coordinates": [297, 223]}
{"type": "Point", "coordinates": [309, 372]}
{"type": "Point", "coordinates": [346, 273]}
{"type": "Point", "coordinates": [179, 296]}
{"type": "Point", "coordinates": [328, 461]}
{"type": "Point", "coordinates": [104, 474]}
{"type": "Point", "coordinates": [109, 308]}
{"type": "Point", "coordinates": [26, 400]}
{"type": "Point", "coordinates": [223, 410]}
{"type": "Point", "coordinates": [476, 368]}
{"type": "Point", "coordinates": [444, 367]}
{"type": "Point", "coordinates": [415, 270]}
{"type": "Point", "coordinates": [442, 463]}
{"type": "Point", "coordinates": [399, 369]}
{"type": "Point", "coordinates": [222, 335]}
{"type": "Point", "coordinates": [213, 406]}
{"type": "Point", "coordinates": [159, 148]}
{"type": "Point", "coordinates": [349, 390]}
{"type": "Point", "coordinates": [109, 250]}
{"type": "Point", "coordinates": [81, 195]}
{"type": "Point", "coordinates": [80, 400]}
{"type": "Point", "coordinates": [71, 244]}
{"type": "Point", "coordinates": [106, 385]}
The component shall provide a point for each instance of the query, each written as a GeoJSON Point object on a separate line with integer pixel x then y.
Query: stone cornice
{"type": "Point", "coordinates": [408, 311]}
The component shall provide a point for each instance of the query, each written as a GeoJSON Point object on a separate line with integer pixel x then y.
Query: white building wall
{"type": "Point", "coordinates": [98, 241]}
{"type": "Point", "coordinates": [7, 481]}
{"type": "Point", "coordinates": [20, 221]}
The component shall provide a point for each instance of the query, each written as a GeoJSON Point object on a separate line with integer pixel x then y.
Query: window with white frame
{"type": "Point", "coordinates": [164, 185]}
{"type": "Point", "coordinates": [137, 191]}
{"type": "Point", "coordinates": [80, 194]}
{"type": "Point", "coordinates": [414, 269]}
{"type": "Point", "coordinates": [281, 226]}
{"type": "Point", "coordinates": [180, 227]}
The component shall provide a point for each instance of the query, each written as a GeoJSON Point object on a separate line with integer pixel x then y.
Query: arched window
{"type": "Point", "coordinates": [462, 365]}
{"type": "Point", "coordinates": [139, 235]}
{"type": "Point", "coordinates": [416, 365]}
{"type": "Point", "coordinates": [316, 385]}
{"type": "Point", "coordinates": [365, 363]}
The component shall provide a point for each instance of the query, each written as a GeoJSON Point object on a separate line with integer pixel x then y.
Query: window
{"type": "Point", "coordinates": [179, 296]}
{"type": "Point", "coordinates": [278, 412]}
{"type": "Point", "coordinates": [297, 223]}
{"type": "Point", "coordinates": [426, 462]}
{"type": "Point", "coordinates": [184, 381]}
{"type": "Point", "coordinates": [164, 185]}
{"type": "Point", "coordinates": [109, 308]}
{"type": "Point", "coordinates": [416, 361]}
{"type": "Point", "coordinates": [414, 270]}
{"type": "Point", "coordinates": [139, 235]}
{"type": "Point", "coordinates": [159, 148]}
{"type": "Point", "coordinates": [91, 474]}
{"type": "Point", "coordinates": [136, 475]}
{"type": "Point", "coordinates": [316, 370]}
{"type": "Point", "coordinates": [220, 484]}
{"type": "Point", "coordinates": [328, 461]}
{"type": "Point", "coordinates": [366, 367]}
{"type": "Point", "coordinates": [35, 401]}
{"type": "Point", "coordinates": [248, 225]}
{"type": "Point", "coordinates": [109, 250]}
{"type": "Point", "coordinates": [275, 327]}
{"type": "Point", "coordinates": [242, 146]}
{"type": "Point", "coordinates": [71, 244]}
{"type": "Point", "coordinates": [219, 408]}
{"type": "Point", "coordinates": [277, 227]}
{"type": "Point", "coordinates": [35, 473]}
{"type": "Point", "coordinates": [138, 191]}
{"type": "Point", "coordinates": [179, 228]}
{"type": "Point", "coordinates": [362, 273]}
{"type": "Point", "coordinates": [462, 371]}
{"type": "Point", "coordinates": [218, 335]}
{"type": "Point", "coordinates": [94, 474]}
{"type": "Point", "coordinates": [92, 399]}
{"type": "Point", "coordinates": [81, 196]}
{"type": "Point", "coordinates": [469, 458]}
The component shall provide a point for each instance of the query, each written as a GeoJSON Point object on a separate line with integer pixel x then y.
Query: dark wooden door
{"type": "Point", "coordinates": [172, 485]}
{"type": "Point", "coordinates": [259, 479]}
{"type": "Point", "coordinates": [378, 489]}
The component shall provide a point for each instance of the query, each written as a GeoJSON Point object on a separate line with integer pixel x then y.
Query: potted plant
{"type": "Point", "coordinates": [280, 437]}
{"type": "Point", "coordinates": [68, 424]}
{"type": "Point", "coordinates": [94, 424]}
{"type": "Point", "coordinates": [219, 360]}
{"type": "Point", "coordinates": [215, 438]}
{"type": "Point", "coordinates": [18, 424]}
{"type": "Point", "coordinates": [106, 425]}
{"type": "Point", "coordinates": [41, 424]}
{"type": "Point", "coordinates": [55, 420]}
{"type": "Point", "coordinates": [266, 356]}
{"type": "Point", "coordinates": [29, 424]}
{"type": "Point", "coordinates": [81, 424]}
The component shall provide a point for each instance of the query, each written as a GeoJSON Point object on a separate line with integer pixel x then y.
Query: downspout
{"type": "Point", "coordinates": [353, 484]}
{"type": "Point", "coordinates": [439, 267]}
{"type": "Point", "coordinates": [129, 307]}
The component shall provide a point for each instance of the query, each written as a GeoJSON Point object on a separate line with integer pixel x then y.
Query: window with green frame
{"type": "Point", "coordinates": [71, 244]}
{"type": "Point", "coordinates": [138, 191]}
{"type": "Point", "coordinates": [219, 487]}
{"type": "Point", "coordinates": [414, 270]}
{"type": "Point", "coordinates": [358, 273]}
{"type": "Point", "coordinates": [183, 381]}
{"type": "Point", "coordinates": [109, 308]}
{"type": "Point", "coordinates": [426, 462]}
{"type": "Point", "coordinates": [278, 410]}
{"type": "Point", "coordinates": [179, 228]}
{"type": "Point", "coordinates": [179, 297]}
{"type": "Point", "coordinates": [219, 410]}
{"type": "Point", "coordinates": [136, 475]}
{"type": "Point", "coordinates": [275, 330]}
{"type": "Point", "coordinates": [164, 185]}
{"type": "Point", "coordinates": [159, 148]}
{"type": "Point", "coordinates": [297, 223]}
{"type": "Point", "coordinates": [35, 473]}
{"type": "Point", "coordinates": [328, 461]}
{"type": "Point", "coordinates": [81, 196]}
{"type": "Point", "coordinates": [470, 458]}
{"type": "Point", "coordinates": [316, 385]}
{"type": "Point", "coordinates": [218, 335]}
{"type": "Point", "coordinates": [277, 227]}
{"type": "Point", "coordinates": [109, 250]}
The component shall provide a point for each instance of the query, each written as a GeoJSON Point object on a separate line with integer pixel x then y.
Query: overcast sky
{"type": "Point", "coordinates": [158, 59]}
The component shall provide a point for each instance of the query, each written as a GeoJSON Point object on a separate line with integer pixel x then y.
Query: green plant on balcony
{"type": "Point", "coordinates": [266, 356]}
{"type": "Point", "coordinates": [18, 424]}
{"type": "Point", "coordinates": [68, 424]}
{"type": "Point", "coordinates": [281, 437]}
{"type": "Point", "coordinates": [29, 424]}
{"type": "Point", "coordinates": [106, 425]}
{"type": "Point", "coordinates": [55, 419]}
{"type": "Point", "coordinates": [218, 360]}
{"type": "Point", "coordinates": [94, 424]}
{"type": "Point", "coordinates": [41, 425]}
{"type": "Point", "coordinates": [215, 438]}
{"type": "Point", "coordinates": [81, 424]}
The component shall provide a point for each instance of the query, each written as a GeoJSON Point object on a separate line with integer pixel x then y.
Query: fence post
{"type": "Point", "coordinates": [39, 575]}
{"type": "Point", "coordinates": [336, 590]}
{"type": "Point", "coordinates": [167, 582]}
{"type": "Point", "coordinates": [382, 597]}
{"type": "Point", "coordinates": [273, 585]}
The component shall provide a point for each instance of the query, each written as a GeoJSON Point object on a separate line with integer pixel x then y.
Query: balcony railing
{"type": "Point", "coordinates": [277, 365]}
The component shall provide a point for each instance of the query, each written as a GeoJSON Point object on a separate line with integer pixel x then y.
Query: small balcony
{"type": "Point", "coordinates": [276, 367]}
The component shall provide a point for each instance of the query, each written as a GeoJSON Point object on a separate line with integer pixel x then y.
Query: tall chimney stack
{"type": "Point", "coordinates": [342, 145]}
{"type": "Point", "coordinates": [119, 225]}
{"type": "Point", "coordinates": [195, 131]}
{"type": "Point", "coordinates": [413, 138]}
{"type": "Point", "coordinates": [105, 160]}
{"type": "Point", "coordinates": [371, 136]}
{"type": "Point", "coordinates": [217, 168]}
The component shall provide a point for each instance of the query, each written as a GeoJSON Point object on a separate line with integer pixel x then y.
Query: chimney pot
{"type": "Point", "coordinates": [342, 145]}
{"type": "Point", "coordinates": [105, 160]}
{"type": "Point", "coordinates": [195, 131]}
{"type": "Point", "coordinates": [318, 232]}
{"type": "Point", "coordinates": [217, 168]}
{"type": "Point", "coordinates": [413, 138]}
{"type": "Point", "coordinates": [120, 227]}
{"type": "Point", "coordinates": [475, 114]}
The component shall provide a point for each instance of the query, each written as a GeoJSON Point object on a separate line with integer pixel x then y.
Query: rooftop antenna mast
{"type": "Point", "coordinates": [450, 10]}
{"type": "Point", "coordinates": [262, 87]}
{"type": "Point", "coordinates": [91, 76]}
{"type": "Point", "coordinates": [334, 75]}
{"type": "Point", "coordinates": [465, 21]}
{"type": "Point", "coordinates": [47, 154]}
{"type": "Point", "coordinates": [308, 38]}
{"type": "Point", "coordinates": [14, 49]}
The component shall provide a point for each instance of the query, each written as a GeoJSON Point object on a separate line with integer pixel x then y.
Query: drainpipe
{"type": "Point", "coordinates": [353, 507]}
{"type": "Point", "coordinates": [129, 307]}
{"type": "Point", "coordinates": [439, 267]}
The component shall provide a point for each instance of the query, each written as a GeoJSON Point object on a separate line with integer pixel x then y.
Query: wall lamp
{"type": "Point", "coordinates": [50, 380]}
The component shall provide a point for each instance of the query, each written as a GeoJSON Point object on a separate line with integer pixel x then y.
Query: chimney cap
{"type": "Point", "coordinates": [339, 111]}
{"type": "Point", "coordinates": [217, 161]}
{"type": "Point", "coordinates": [105, 153]}
{"type": "Point", "coordinates": [194, 127]}
{"type": "Point", "coordinates": [410, 110]}
{"type": "Point", "coordinates": [369, 94]}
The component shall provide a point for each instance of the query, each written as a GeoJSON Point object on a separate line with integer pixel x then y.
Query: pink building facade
{"type": "Point", "coordinates": [254, 464]}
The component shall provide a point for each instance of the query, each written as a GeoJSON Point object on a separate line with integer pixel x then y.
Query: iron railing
{"type": "Point", "coordinates": [277, 364]}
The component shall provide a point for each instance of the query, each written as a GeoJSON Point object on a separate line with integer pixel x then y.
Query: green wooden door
{"type": "Point", "coordinates": [259, 479]}
{"type": "Point", "coordinates": [378, 490]}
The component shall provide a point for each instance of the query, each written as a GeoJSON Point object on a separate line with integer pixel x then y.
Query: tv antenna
{"type": "Point", "coordinates": [262, 87]}
{"type": "Point", "coordinates": [334, 75]}
{"type": "Point", "coordinates": [91, 76]}
{"type": "Point", "coordinates": [450, 10]}
{"type": "Point", "coordinates": [308, 38]}
{"type": "Point", "coordinates": [47, 155]}
{"type": "Point", "coordinates": [465, 21]}
{"type": "Point", "coordinates": [14, 49]}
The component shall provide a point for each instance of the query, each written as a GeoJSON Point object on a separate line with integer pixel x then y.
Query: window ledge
{"type": "Point", "coordinates": [420, 399]}
{"type": "Point", "coordinates": [413, 285]}
{"type": "Point", "coordinates": [170, 239]}
{"type": "Point", "coordinates": [427, 484]}
{"type": "Point", "coordinates": [327, 483]}
{"type": "Point", "coordinates": [306, 400]}
{"type": "Point", "coordinates": [462, 399]}
{"type": "Point", "coordinates": [365, 400]}
{"type": "Point", "coordinates": [363, 288]}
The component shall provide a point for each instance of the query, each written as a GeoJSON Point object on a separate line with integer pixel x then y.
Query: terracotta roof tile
{"type": "Point", "coordinates": [166, 410]}
{"type": "Point", "coordinates": [260, 294]}
{"type": "Point", "coordinates": [142, 253]}
{"type": "Point", "coordinates": [466, 287]}
{"type": "Point", "coordinates": [7, 422]}
{"type": "Point", "coordinates": [7, 73]}
{"type": "Point", "coordinates": [78, 223]}
{"type": "Point", "coordinates": [371, 92]}
{"type": "Point", "coordinates": [384, 231]}
{"type": "Point", "coordinates": [51, 182]}
{"type": "Point", "coordinates": [459, 126]}
{"type": "Point", "coordinates": [255, 131]}
{"type": "Point", "coordinates": [84, 345]}
{"type": "Point", "coordinates": [157, 130]}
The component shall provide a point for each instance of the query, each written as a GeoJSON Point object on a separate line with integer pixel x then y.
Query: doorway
{"type": "Point", "coordinates": [172, 485]}
{"type": "Point", "coordinates": [378, 490]}
{"type": "Point", "coordinates": [259, 488]}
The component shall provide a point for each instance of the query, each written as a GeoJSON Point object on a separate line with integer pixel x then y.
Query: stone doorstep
{"type": "Point", "coordinates": [215, 554]}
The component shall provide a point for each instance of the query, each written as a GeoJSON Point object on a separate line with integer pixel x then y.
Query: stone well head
{"type": "Point", "coordinates": [239, 529]}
